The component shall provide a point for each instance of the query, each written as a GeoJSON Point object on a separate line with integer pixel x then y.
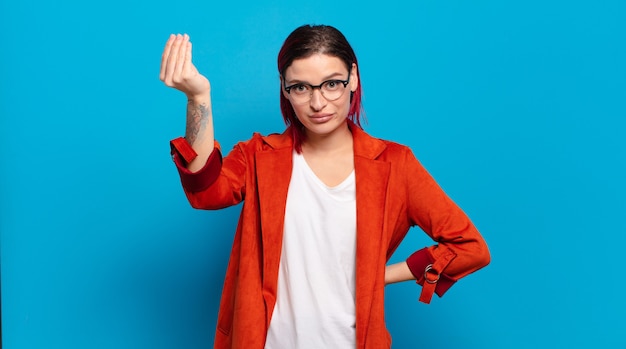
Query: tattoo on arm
{"type": "Point", "coordinates": [197, 117]}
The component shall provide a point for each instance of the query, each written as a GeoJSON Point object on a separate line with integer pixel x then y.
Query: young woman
{"type": "Point", "coordinates": [325, 206]}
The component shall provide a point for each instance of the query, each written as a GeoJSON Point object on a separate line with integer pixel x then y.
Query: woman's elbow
{"type": "Point", "coordinates": [482, 256]}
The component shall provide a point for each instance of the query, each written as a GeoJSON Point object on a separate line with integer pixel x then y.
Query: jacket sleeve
{"type": "Point", "coordinates": [459, 249]}
{"type": "Point", "coordinates": [219, 183]}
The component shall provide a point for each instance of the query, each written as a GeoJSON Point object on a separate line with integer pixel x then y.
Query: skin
{"type": "Point", "coordinates": [328, 145]}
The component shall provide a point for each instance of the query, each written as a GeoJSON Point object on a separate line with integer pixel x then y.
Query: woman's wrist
{"type": "Point", "coordinates": [200, 98]}
{"type": "Point", "coordinates": [397, 273]}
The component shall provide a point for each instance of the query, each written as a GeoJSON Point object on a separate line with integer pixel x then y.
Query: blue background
{"type": "Point", "coordinates": [517, 108]}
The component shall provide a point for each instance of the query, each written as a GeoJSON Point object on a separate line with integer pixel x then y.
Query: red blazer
{"type": "Point", "coordinates": [393, 193]}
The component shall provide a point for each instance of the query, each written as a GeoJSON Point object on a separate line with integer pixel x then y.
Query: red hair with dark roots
{"type": "Point", "coordinates": [304, 42]}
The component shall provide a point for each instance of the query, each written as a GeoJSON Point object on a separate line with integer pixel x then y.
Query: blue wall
{"type": "Point", "coordinates": [518, 109]}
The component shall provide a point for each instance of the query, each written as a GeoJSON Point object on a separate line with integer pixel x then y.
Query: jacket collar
{"type": "Point", "coordinates": [365, 145]}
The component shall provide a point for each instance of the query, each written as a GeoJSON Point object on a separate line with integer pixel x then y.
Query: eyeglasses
{"type": "Point", "coordinates": [330, 89]}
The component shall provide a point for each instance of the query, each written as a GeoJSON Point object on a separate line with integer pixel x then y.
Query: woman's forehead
{"type": "Point", "coordinates": [317, 66]}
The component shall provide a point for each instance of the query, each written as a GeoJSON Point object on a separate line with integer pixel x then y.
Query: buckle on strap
{"type": "Point", "coordinates": [432, 272]}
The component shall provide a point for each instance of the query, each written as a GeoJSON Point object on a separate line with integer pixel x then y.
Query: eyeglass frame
{"type": "Point", "coordinates": [313, 87]}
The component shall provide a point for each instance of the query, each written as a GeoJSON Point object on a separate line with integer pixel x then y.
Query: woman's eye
{"type": "Point", "coordinates": [332, 85]}
{"type": "Point", "coordinates": [300, 88]}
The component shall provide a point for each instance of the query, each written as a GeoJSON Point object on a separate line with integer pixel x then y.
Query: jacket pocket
{"type": "Point", "coordinates": [224, 324]}
{"type": "Point", "coordinates": [227, 306]}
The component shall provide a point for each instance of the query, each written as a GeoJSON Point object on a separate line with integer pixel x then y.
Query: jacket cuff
{"type": "Point", "coordinates": [183, 154]}
{"type": "Point", "coordinates": [181, 147]}
{"type": "Point", "coordinates": [421, 265]}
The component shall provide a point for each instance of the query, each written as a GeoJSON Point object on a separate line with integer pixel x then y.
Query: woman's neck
{"type": "Point", "coordinates": [339, 140]}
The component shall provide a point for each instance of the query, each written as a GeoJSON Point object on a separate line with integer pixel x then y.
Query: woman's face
{"type": "Point", "coordinates": [319, 115]}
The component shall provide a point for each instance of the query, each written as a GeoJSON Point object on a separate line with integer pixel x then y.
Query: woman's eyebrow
{"type": "Point", "coordinates": [328, 77]}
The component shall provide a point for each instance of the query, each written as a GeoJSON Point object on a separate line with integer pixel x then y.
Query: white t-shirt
{"type": "Point", "coordinates": [315, 306]}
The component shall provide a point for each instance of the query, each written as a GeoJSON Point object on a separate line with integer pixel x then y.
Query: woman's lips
{"type": "Point", "coordinates": [320, 118]}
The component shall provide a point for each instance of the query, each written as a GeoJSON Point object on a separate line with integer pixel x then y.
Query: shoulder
{"type": "Point", "coordinates": [395, 147]}
{"type": "Point", "coordinates": [378, 148]}
{"type": "Point", "coordinates": [398, 154]}
{"type": "Point", "coordinates": [259, 142]}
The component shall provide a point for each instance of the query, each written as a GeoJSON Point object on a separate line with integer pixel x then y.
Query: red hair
{"type": "Point", "coordinates": [302, 43]}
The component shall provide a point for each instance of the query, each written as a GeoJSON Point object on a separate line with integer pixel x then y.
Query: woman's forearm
{"type": "Point", "coordinates": [397, 273]}
{"type": "Point", "coordinates": [199, 131]}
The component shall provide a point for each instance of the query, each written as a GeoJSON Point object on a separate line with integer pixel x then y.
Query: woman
{"type": "Point", "coordinates": [325, 206]}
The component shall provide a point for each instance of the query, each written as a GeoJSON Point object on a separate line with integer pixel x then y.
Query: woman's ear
{"type": "Point", "coordinates": [354, 78]}
{"type": "Point", "coordinates": [282, 86]}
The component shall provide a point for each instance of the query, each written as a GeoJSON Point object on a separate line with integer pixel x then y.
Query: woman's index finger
{"type": "Point", "coordinates": [166, 53]}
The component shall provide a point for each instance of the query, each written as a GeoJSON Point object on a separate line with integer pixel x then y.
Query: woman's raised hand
{"type": "Point", "coordinates": [178, 72]}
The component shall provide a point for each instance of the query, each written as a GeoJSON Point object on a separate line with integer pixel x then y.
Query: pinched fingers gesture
{"type": "Point", "coordinates": [178, 72]}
